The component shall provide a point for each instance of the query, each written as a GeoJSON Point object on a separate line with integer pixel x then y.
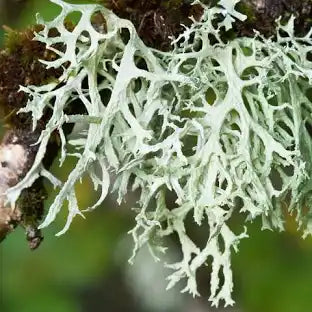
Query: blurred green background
{"type": "Point", "coordinates": [87, 269]}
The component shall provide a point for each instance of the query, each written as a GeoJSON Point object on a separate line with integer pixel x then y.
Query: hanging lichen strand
{"type": "Point", "coordinates": [223, 126]}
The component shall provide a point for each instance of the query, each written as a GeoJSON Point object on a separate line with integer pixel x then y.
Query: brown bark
{"type": "Point", "coordinates": [15, 160]}
{"type": "Point", "coordinates": [19, 65]}
{"type": "Point", "coordinates": [262, 16]}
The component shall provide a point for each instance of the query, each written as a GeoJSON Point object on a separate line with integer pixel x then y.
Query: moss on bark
{"type": "Point", "coordinates": [262, 16]}
{"type": "Point", "coordinates": [156, 20]}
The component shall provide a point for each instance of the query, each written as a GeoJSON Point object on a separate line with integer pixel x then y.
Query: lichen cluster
{"type": "Point", "coordinates": [224, 126]}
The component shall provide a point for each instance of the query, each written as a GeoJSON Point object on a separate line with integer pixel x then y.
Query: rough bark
{"type": "Point", "coordinates": [19, 65]}
{"type": "Point", "coordinates": [262, 16]}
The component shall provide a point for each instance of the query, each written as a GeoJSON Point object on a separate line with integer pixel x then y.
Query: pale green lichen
{"type": "Point", "coordinates": [243, 104]}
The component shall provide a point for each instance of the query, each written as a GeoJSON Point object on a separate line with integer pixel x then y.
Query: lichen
{"type": "Point", "coordinates": [224, 126]}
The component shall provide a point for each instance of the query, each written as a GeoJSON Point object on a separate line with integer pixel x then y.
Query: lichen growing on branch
{"type": "Point", "coordinates": [223, 125]}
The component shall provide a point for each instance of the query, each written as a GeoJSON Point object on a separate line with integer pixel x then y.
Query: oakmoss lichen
{"type": "Point", "coordinates": [212, 122]}
{"type": "Point", "coordinates": [251, 126]}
